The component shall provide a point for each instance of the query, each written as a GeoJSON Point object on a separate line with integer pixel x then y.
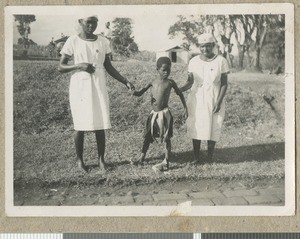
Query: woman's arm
{"type": "Point", "coordinates": [64, 67]}
{"type": "Point", "coordinates": [188, 84]}
{"type": "Point", "coordinates": [223, 89]}
{"type": "Point", "coordinates": [115, 74]}
{"type": "Point", "coordinates": [142, 91]}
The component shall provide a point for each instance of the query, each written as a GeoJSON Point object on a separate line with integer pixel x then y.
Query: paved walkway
{"type": "Point", "coordinates": [211, 193]}
{"type": "Point", "coordinates": [236, 196]}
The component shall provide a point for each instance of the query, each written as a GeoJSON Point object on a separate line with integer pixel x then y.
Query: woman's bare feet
{"type": "Point", "coordinates": [81, 165]}
{"type": "Point", "coordinates": [102, 165]}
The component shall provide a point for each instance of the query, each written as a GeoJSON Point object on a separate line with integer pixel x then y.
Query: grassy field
{"type": "Point", "coordinates": [251, 147]}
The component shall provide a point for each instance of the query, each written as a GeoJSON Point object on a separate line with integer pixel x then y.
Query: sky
{"type": "Point", "coordinates": [150, 22]}
{"type": "Point", "coordinates": [150, 33]}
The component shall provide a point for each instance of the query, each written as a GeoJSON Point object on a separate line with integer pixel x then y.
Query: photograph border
{"type": "Point", "coordinates": [184, 209]}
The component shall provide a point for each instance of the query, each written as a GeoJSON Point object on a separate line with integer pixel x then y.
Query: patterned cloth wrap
{"type": "Point", "coordinates": [159, 125]}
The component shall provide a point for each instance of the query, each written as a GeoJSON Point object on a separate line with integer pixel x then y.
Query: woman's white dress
{"type": "Point", "coordinates": [88, 93]}
{"type": "Point", "coordinates": [202, 123]}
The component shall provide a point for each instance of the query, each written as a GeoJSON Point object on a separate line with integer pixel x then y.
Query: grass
{"type": "Point", "coordinates": [251, 147]}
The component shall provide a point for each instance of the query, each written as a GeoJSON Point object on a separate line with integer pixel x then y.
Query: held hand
{"type": "Point", "coordinates": [130, 86]}
{"type": "Point", "coordinates": [216, 108]}
{"type": "Point", "coordinates": [186, 113]}
{"type": "Point", "coordinates": [86, 67]}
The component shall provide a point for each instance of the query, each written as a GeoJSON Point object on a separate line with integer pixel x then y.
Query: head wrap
{"type": "Point", "coordinates": [81, 17]}
{"type": "Point", "coordinates": [206, 38]}
{"type": "Point", "coordinates": [86, 15]}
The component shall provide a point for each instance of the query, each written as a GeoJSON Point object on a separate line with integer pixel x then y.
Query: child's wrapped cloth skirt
{"type": "Point", "coordinates": [159, 125]}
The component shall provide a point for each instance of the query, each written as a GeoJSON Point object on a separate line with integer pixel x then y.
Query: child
{"type": "Point", "coordinates": [160, 121]}
{"type": "Point", "coordinates": [88, 93]}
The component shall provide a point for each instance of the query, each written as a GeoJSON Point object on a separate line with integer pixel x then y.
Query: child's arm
{"type": "Point", "coordinates": [64, 67]}
{"type": "Point", "coordinates": [179, 93]}
{"type": "Point", "coordinates": [142, 91]}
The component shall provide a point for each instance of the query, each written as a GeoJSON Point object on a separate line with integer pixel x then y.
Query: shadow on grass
{"type": "Point", "coordinates": [259, 153]}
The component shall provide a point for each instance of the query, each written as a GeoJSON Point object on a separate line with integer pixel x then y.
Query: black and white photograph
{"type": "Point", "coordinates": [150, 110]}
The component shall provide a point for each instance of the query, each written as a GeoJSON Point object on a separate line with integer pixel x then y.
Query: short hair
{"type": "Point", "coordinates": [163, 60]}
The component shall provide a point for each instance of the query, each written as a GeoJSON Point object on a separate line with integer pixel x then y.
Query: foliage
{"type": "Point", "coordinates": [254, 29]}
{"type": "Point", "coordinates": [248, 31]}
{"type": "Point", "coordinates": [24, 30]}
{"type": "Point", "coordinates": [23, 23]}
{"type": "Point", "coordinates": [22, 41]}
{"type": "Point", "coordinates": [37, 52]}
{"type": "Point", "coordinates": [123, 41]}
{"type": "Point", "coordinates": [188, 28]}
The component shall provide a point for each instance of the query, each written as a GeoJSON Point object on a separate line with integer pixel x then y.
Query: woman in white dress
{"type": "Point", "coordinates": [88, 93]}
{"type": "Point", "coordinates": [208, 82]}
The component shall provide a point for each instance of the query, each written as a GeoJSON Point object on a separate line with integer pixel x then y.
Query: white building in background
{"type": "Point", "coordinates": [177, 54]}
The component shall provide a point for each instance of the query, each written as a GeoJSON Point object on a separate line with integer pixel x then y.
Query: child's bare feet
{"type": "Point", "coordinates": [163, 166]}
{"type": "Point", "coordinates": [165, 163]}
{"type": "Point", "coordinates": [141, 160]}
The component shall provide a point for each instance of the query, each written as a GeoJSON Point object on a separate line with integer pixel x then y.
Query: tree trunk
{"type": "Point", "coordinates": [241, 50]}
{"type": "Point", "coordinates": [25, 48]}
{"type": "Point", "coordinates": [256, 60]}
{"type": "Point", "coordinates": [258, 46]}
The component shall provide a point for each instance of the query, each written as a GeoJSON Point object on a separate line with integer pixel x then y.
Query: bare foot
{"type": "Point", "coordinates": [102, 166]}
{"type": "Point", "coordinates": [140, 161]}
{"type": "Point", "coordinates": [156, 169]}
{"type": "Point", "coordinates": [81, 166]}
{"type": "Point", "coordinates": [163, 166]}
{"type": "Point", "coordinates": [165, 162]}
{"type": "Point", "coordinates": [196, 161]}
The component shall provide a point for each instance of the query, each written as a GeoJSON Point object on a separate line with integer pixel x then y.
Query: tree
{"type": "Point", "coordinates": [249, 32]}
{"type": "Point", "coordinates": [24, 30]}
{"type": "Point", "coordinates": [254, 29]}
{"type": "Point", "coordinates": [123, 42]}
{"type": "Point", "coordinates": [188, 29]}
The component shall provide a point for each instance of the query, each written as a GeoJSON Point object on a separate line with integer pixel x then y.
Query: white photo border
{"type": "Point", "coordinates": [184, 209]}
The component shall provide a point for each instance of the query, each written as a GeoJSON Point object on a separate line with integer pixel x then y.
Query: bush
{"type": "Point", "coordinates": [33, 52]}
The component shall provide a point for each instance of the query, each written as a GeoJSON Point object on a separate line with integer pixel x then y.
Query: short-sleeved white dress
{"type": "Point", "coordinates": [88, 93]}
{"type": "Point", "coordinates": [202, 123]}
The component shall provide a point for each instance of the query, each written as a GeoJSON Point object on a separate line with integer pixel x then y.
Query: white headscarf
{"type": "Point", "coordinates": [81, 17]}
{"type": "Point", "coordinates": [206, 38]}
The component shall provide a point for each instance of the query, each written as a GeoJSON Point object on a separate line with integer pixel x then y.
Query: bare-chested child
{"type": "Point", "coordinates": [160, 121]}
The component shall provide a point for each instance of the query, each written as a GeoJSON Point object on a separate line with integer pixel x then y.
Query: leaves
{"type": "Point", "coordinates": [24, 22]}
{"type": "Point", "coordinates": [250, 30]}
{"type": "Point", "coordinates": [123, 42]}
